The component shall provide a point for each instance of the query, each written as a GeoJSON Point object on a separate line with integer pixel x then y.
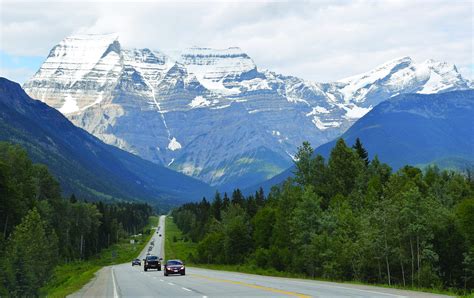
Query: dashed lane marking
{"type": "Point", "coordinates": [186, 289]}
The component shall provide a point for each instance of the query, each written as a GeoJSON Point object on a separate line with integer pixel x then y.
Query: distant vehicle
{"type": "Point", "coordinates": [159, 235]}
{"type": "Point", "coordinates": [136, 262]}
{"type": "Point", "coordinates": [152, 262]}
{"type": "Point", "coordinates": [174, 267]}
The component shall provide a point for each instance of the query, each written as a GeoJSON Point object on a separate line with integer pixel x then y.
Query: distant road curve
{"type": "Point", "coordinates": [127, 281]}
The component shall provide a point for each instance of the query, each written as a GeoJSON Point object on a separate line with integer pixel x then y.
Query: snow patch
{"type": "Point", "coordinates": [220, 107]}
{"type": "Point", "coordinates": [296, 100]}
{"type": "Point", "coordinates": [355, 112]}
{"type": "Point", "coordinates": [433, 85]}
{"type": "Point", "coordinates": [255, 84]}
{"type": "Point", "coordinates": [324, 125]}
{"type": "Point", "coordinates": [174, 145]}
{"type": "Point", "coordinates": [199, 102]}
{"type": "Point", "coordinates": [69, 106]}
{"type": "Point", "coordinates": [317, 110]}
{"type": "Point", "coordinates": [190, 170]}
{"type": "Point", "coordinates": [172, 160]}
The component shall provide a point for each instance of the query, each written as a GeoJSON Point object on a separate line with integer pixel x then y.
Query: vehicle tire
{"type": "Point", "coordinates": [183, 273]}
{"type": "Point", "coordinates": [146, 269]}
{"type": "Point", "coordinates": [159, 268]}
{"type": "Point", "coordinates": [166, 274]}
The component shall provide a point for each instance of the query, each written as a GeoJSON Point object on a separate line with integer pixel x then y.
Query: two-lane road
{"type": "Point", "coordinates": [127, 281]}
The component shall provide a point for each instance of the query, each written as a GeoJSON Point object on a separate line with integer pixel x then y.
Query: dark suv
{"type": "Point", "coordinates": [174, 267]}
{"type": "Point", "coordinates": [152, 262]}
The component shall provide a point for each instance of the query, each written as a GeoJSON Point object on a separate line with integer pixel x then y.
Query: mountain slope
{"type": "Point", "coordinates": [210, 113]}
{"type": "Point", "coordinates": [415, 129]}
{"type": "Point", "coordinates": [81, 162]}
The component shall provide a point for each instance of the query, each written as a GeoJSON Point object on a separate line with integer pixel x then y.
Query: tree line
{"type": "Point", "coordinates": [40, 229]}
{"type": "Point", "coordinates": [345, 218]}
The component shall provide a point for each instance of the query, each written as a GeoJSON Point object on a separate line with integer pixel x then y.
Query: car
{"type": "Point", "coordinates": [159, 235]}
{"type": "Point", "coordinates": [136, 262]}
{"type": "Point", "coordinates": [174, 267]}
{"type": "Point", "coordinates": [152, 262]}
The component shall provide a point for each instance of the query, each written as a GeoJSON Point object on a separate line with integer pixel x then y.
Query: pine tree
{"type": "Point", "coordinates": [216, 206]}
{"type": "Point", "coordinates": [361, 151]}
{"type": "Point", "coordinates": [225, 202]}
{"type": "Point", "coordinates": [238, 198]}
{"type": "Point", "coordinates": [260, 197]}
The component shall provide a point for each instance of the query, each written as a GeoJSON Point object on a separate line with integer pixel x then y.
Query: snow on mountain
{"type": "Point", "coordinates": [212, 113]}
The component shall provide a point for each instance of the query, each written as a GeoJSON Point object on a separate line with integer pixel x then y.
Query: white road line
{"type": "Point", "coordinates": [114, 284]}
{"type": "Point", "coordinates": [186, 289]}
{"type": "Point", "coordinates": [161, 280]}
{"type": "Point", "coordinates": [171, 284]}
{"type": "Point", "coordinates": [204, 296]}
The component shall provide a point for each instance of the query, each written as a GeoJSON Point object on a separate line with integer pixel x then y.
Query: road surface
{"type": "Point", "coordinates": [127, 281]}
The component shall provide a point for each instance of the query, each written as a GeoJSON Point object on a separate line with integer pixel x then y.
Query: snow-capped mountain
{"type": "Point", "coordinates": [212, 113]}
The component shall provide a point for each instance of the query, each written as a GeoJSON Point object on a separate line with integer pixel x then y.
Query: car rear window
{"type": "Point", "coordinates": [174, 263]}
{"type": "Point", "coordinates": [152, 258]}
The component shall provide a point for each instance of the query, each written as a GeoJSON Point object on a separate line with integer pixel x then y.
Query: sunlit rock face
{"type": "Point", "coordinates": [213, 114]}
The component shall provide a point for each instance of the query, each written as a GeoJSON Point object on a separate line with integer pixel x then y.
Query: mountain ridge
{"type": "Point", "coordinates": [160, 106]}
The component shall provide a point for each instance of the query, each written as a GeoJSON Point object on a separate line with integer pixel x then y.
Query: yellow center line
{"type": "Point", "coordinates": [294, 294]}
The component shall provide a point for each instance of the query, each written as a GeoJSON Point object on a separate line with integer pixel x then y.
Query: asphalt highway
{"type": "Point", "coordinates": [126, 280]}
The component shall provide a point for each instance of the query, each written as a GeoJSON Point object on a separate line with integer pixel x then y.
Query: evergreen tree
{"type": "Point", "coordinates": [225, 202]}
{"type": "Point", "coordinates": [216, 206]}
{"type": "Point", "coordinates": [238, 198]}
{"type": "Point", "coordinates": [361, 151]}
{"type": "Point", "coordinates": [260, 197]}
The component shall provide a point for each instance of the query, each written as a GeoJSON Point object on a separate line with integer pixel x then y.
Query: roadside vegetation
{"type": "Point", "coordinates": [177, 245]}
{"type": "Point", "coordinates": [345, 219]}
{"type": "Point", "coordinates": [71, 277]}
{"type": "Point", "coordinates": [51, 242]}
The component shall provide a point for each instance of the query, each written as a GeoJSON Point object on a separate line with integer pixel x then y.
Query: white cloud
{"type": "Point", "coordinates": [321, 41]}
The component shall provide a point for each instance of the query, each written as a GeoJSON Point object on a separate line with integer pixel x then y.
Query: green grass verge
{"type": "Point", "coordinates": [181, 249]}
{"type": "Point", "coordinates": [71, 277]}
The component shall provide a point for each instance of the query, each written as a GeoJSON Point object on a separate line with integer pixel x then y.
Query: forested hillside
{"type": "Point", "coordinates": [346, 218]}
{"type": "Point", "coordinates": [40, 229]}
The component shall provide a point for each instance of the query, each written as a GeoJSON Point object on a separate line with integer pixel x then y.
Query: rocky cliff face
{"type": "Point", "coordinates": [213, 114]}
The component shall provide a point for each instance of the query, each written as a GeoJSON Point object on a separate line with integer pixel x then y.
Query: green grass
{"type": "Point", "coordinates": [183, 249]}
{"type": "Point", "coordinates": [180, 249]}
{"type": "Point", "coordinates": [69, 278]}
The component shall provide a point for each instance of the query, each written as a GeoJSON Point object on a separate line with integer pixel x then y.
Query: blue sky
{"type": "Point", "coordinates": [17, 67]}
{"type": "Point", "coordinates": [316, 40]}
